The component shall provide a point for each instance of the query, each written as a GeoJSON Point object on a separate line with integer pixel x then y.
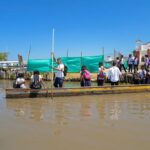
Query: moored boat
{"type": "Point", "coordinates": [58, 92]}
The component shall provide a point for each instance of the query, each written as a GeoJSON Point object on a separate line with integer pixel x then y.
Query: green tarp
{"type": "Point", "coordinates": [109, 64]}
{"type": "Point", "coordinates": [42, 65]}
{"type": "Point", "coordinates": [73, 63]}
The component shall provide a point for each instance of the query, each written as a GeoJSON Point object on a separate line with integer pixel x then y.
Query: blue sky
{"type": "Point", "coordinates": [80, 25]}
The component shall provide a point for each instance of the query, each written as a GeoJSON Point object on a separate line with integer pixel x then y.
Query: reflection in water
{"type": "Point", "coordinates": [62, 110]}
{"type": "Point", "coordinates": [115, 111]}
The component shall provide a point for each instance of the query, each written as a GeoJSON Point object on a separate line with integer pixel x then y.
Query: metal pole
{"type": "Point", "coordinates": [52, 63]}
{"type": "Point", "coordinates": [114, 53]}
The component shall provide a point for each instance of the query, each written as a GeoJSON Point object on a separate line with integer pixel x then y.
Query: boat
{"type": "Point", "coordinates": [61, 92]}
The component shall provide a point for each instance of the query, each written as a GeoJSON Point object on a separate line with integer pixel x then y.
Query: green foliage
{"type": "Point", "coordinates": [12, 76]}
{"type": "Point", "coordinates": [3, 56]}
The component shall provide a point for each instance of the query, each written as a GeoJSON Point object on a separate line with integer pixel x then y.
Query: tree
{"type": "Point", "coordinates": [3, 56]}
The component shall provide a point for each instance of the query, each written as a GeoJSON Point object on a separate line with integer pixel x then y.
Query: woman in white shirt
{"type": "Point", "coordinates": [20, 81]}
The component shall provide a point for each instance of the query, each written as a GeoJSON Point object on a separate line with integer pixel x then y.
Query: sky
{"type": "Point", "coordinates": [85, 26]}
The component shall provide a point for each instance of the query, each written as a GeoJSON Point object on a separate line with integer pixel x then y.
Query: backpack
{"type": "Point", "coordinates": [86, 75]}
{"type": "Point", "coordinates": [15, 85]}
{"type": "Point", "coordinates": [36, 83]}
{"type": "Point", "coordinates": [65, 70]}
{"type": "Point", "coordinates": [101, 75]}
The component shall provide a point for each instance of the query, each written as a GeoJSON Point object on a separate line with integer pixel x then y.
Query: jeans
{"type": "Point", "coordinates": [130, 67]}
{"type": "Point", "coordinates": [58, 82]}
{"type": "Point", "coordinates": [122, 66]}
{"type": "Point", "coordinates": [85, 83]}
{"type": "Point", "coordinates": [114, 83]}
{"type": "Point", "coordinates": [100, 82]}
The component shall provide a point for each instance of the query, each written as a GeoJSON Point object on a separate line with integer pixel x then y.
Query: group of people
{"type": "Point", "coordinates": [114, 75]}
{"type": "Point", "coordinates": [133, 62]}
{"type": "Point", "coordinates": [36, 78]}
{"type": "Point", "coordinates": [118, 72]}
{"type": "Point", "coordinates": [36, 81]}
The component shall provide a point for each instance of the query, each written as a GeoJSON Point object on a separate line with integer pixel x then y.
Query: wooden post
{"type": "Point", "coordinates": [81, 59]}
{"type": "Point", "coordinates": [114, 53]}
{"type": "Point", "coordinates": [103, 53]}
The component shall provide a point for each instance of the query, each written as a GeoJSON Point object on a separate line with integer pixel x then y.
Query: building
{"type": "Point", "coordinates": [142, 50]}
{"type": "Point", "coordinates": [6, 64]}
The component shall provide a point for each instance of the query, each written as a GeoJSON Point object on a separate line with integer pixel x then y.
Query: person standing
{"type": "Point", "coordinates": [136, 64]}
{"type": "Point", "coordinates": [85, 77]}
{"type": "Point", "coordinates": [122, 63]}
{"type": "Point", "coordinates": [59, 75]}
{"type": "Point", "coordinates": [130, 63]}
{"type": "Point", "coordinates": [101, 75]}
{"type": "Point", "coordinates": [114, 74]}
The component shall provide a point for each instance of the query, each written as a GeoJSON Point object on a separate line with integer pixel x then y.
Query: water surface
{"type": "Point", "coordinates": [107, 122]}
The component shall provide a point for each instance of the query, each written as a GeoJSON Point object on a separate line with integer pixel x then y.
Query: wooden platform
{"type": "Point", "coordinates": [60, 92]}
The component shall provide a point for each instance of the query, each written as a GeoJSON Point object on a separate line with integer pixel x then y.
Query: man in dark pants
{"type": "Point", "coordinates": [59, 76]}
{"type": "Point", "coordinates": [122, 64]}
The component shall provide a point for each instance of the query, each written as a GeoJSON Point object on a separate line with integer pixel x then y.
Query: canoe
{"type": "Point", "coordinates": [60, 92]}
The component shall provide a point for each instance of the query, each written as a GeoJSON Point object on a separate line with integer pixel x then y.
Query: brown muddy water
{"type": "Point", "coordinates": [108, 122]}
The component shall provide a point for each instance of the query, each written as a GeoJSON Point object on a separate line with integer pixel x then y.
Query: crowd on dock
{"type": "Point", "coordinates": [135, 74]}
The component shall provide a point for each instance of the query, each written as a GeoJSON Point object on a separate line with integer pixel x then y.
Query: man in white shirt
{"type": "Point", "coordinates": [114, 74]}
{"type": "Point", "coordinates": [59, 75]}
